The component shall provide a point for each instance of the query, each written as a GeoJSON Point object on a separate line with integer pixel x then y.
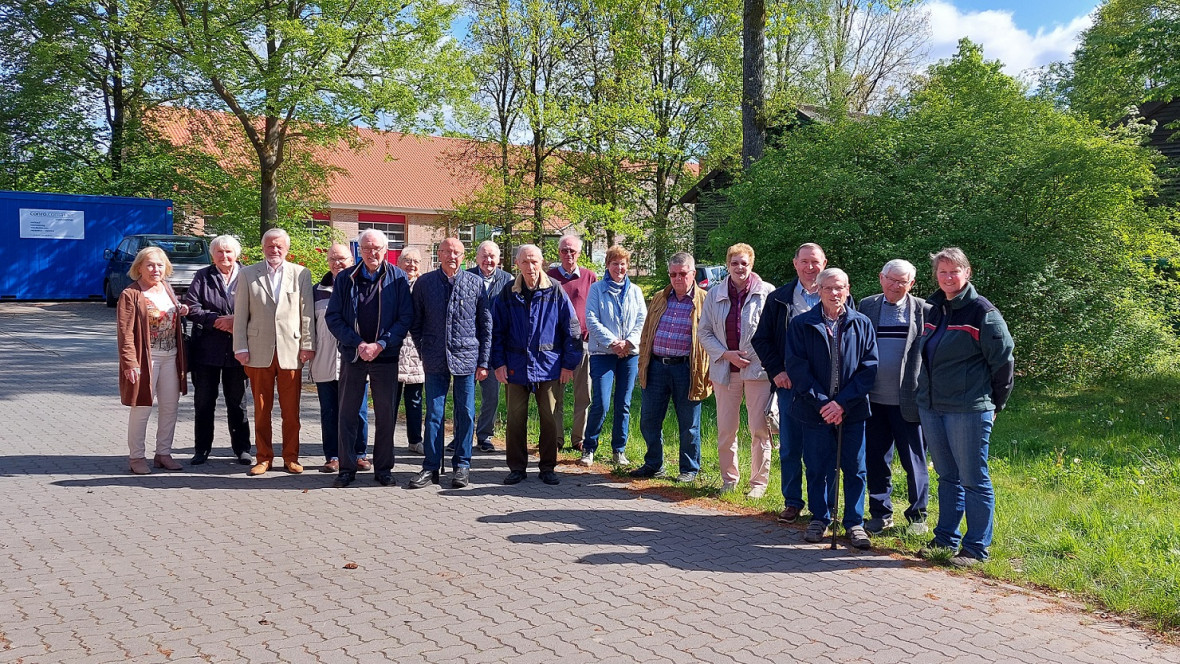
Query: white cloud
{"type": "Point", "coordinates": [1000, 37]}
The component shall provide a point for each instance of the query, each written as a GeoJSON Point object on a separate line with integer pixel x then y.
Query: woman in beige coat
{"type": "Point", "coordinates": [730, 317]}
{"type": "Point", "coordinates": [151, 357]}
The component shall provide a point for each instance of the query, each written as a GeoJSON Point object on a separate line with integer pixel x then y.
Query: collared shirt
{"type": "Point", "coordinates": [567, 274]}
{"type": "Point", "coordinates": [804, 301]}
{"type": "Point", "coordinates": [673, 336]}
{"type": "Point", "coordinates": [487, 280]}
{"type": "Point", "coordinates": [274, 277]}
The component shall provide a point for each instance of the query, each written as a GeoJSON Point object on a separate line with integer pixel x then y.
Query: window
{"type": "Point", "coordinates": [393, 225]}
{"type": "Point", "coordinates": [319, 220]}
{"type": "Point", "coordinates": [466, 235]}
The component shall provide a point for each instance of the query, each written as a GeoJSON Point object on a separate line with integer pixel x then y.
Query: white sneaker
{"type": "Point", "coordinates": [418, 448]}
{"type": "Point", "coordinates": [587, 459]}
{"type": "Point", "coordinates": [918, 528]}
{"type": "Point", "coordinates": [756, 492]}
{"type": "Point", "coordinates": [728, 487]}
{"type": "Point", "coordinates": [620, 459]}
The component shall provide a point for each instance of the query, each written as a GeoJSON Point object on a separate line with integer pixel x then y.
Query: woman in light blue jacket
{"type": "Point", "coordinates": [615, 312]}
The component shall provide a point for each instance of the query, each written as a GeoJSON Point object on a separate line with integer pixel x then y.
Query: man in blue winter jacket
{"type": "Point", "coordinates": [536, 346]}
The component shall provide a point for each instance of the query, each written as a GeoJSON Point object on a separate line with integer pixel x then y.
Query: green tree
{"type": "Point", "coordinates": [290, 70]}
{"type": "Point", "coordinates": [1049, 207]}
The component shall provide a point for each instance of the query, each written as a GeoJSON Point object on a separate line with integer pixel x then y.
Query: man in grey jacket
{"type": "Point", "coordinates": [898, 318]}
{"type": "Point", "coordinates": [487, 259]}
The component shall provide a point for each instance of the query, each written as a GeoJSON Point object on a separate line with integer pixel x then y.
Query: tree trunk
{"type": "Point", "coordinates": [753, 80]}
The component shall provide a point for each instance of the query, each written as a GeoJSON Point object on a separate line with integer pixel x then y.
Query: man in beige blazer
{"type": "Point", "coordinates": [273, 337]}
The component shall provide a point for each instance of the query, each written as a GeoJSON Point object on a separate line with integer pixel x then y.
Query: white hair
{"type": "Point", "coordinates": [900, 265]}
{"type": "Point", "coordinates": [381, 238]}
{"type": "Point", "coordinates": [487, 246]}
{"type": "Point", "coordinates": [565, 239]}
{"type": "Point", "coordinates": [521, 249]}
{"type": "Point", "coordinates": [411, 251]}
{"type": "Point", "coordinates": [227, 241]}
{"type": "Point", "coordinates": [830, 273]}
{"type": "Point", "coordinates": [279, 233]}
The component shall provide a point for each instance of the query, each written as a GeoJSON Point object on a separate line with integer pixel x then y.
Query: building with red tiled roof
{"type": "Point", "coordinates": [405, 185]}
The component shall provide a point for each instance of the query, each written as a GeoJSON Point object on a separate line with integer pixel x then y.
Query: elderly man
{"type": "Point", "coordinates": [576, 282]}
{"type": "Point", "coordinates": [409, 365]}
{"type": "Point", "coordinates": [369, 314]}
{"type": "Point", "coordinates": [831, 357]}
{"type": "Point", "coordinates": [536, 346]}
{"type": "Point", "coordinates": [673, 366]}
{"type": "Point", "coordinates": [898, 318]}
{"type": "Point", "coordinates": [798, 296]}
{"type": "Point", "coordinates": [453, 332]}
{"type": "Point", "coordinates": [487, 259]}
{"type": "Point", "coordinates": [273, 337]}
{"type": "Point", "coordinates": [325, 371]}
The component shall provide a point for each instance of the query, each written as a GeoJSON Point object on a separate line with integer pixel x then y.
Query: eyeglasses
{"type": "Point", "coordinates": [338, 259]}
{"type": "Point", "coordinates": [897, 282]}
{"type": "Point", "coordinates": [569, 250]}
{"type": "Point", "coordinates": [678, 275]}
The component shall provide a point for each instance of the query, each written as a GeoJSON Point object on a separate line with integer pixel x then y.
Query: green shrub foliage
{"type": "Point", "coordinates": [1049, 208]}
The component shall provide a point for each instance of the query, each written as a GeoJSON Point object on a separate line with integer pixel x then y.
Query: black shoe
{"type": "Point", "coordinates": [461, 478]}
{"type": "Point", "coordinates": [647, 471]}
{"type": "Point", "coordinates": [423, 478]}
{"type": "Point", "coordinates": [487, 446]}
{"type": "Point", "coordinates": [550, 477]}
{"type": "Point", "coordinates": [343, 480]}
{"type": "Point", "coordinates": [515, 477]}
{"type": "Point", "coordinates": [384, 479]}
{"type": "Point", "coordinates": [199, 458]}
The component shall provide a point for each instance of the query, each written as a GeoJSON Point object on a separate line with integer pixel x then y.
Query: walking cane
{"type": "Point", "coordinates": [836, 506]}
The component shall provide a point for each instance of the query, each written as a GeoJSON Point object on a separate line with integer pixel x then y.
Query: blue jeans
{"type": "Point", "coordinates": [885, 430]}
{"type": "Point", "coordinates": [819, 455]}
{"type": "Point", "coordinates": [607, 371]}
{"type": "Point", "coordinates": [436, 387]}
{"type": "Point", "coordinates": [958, 446]}
{"type": "Point", "coordinates": [670, 382]}
{"type": "Point", "coordinates": [329, 394]}
{"type": "Point", "coordinates": [790, 452]}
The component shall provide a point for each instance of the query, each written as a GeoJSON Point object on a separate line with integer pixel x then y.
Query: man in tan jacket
{"type": "Point", "coordinates": [273, 337]}
{"type": "Point", "coordinates": [673, 366]}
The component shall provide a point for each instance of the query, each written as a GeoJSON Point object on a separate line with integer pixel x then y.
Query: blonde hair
{"type": "Point", "coordinates": [617, 252]}
{"type": "Point", "coordinates": [142, 257]}
{"type": "Point", "coordinates": [740, 248]}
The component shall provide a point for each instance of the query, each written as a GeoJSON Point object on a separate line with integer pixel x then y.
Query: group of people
{"type": "Point", "coordinates": [846, 383]}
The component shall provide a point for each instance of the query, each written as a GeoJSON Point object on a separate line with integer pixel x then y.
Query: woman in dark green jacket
{"type": "Point", "coordinates": [966, 378]}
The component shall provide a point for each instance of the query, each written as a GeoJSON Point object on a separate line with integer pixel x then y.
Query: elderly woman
{"type": "Point", "coordinates": [728, 321]}
{"type": "Point", "coordinates": [151, 357]}
{"type": "Point", "coordinates": [210, 300]}
{"type": "Point", "coordinates": [831, 359]}
{"type": "Point", "coordinates": [966, 378]}
{"type": "Point", "coordinates": [615, 312]}
{"type": "Point", "coordinates": [410, 374]}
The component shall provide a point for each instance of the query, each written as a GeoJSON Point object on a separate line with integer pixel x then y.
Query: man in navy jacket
{"type": "Point", "coordinates": [369, 313]}
{"type": "Point", "coordinates": [453, 331]}
{"type": "Point", "coordinates": [536, 346]}
{"type": "Point", "coordinates": [831, 357]}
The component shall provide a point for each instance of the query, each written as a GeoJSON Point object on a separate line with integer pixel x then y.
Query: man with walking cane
{"type": "Point", "coordinates": [831, 358]}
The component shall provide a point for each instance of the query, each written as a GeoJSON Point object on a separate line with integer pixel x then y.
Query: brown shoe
{"type": "Point", "coordinates": [364, 464]}
{"type": "Point", "coordinates": [292, 467]}
{"type": "Point", "coordinates": [789, 515]}
{"type": "Point", "coordinates": [259, 468]}
{"type": "Point", "coordinates": [166, 462]}
{"type": "Point", "coordinates": [332, 466]}
{"type": "Point", "coordinates": [140, 467]}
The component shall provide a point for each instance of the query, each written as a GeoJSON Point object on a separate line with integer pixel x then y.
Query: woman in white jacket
{"type": "Point", "coordinates": [728, 320]}
{"type": "Point", "coordinates": [615, 312]}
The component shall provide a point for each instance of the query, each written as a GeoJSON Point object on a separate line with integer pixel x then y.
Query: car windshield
{"type": "Point", "coordinates": [183, 250]}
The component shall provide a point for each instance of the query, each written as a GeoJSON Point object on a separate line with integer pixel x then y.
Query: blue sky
{"type": "Point", "coordinates": [1022, 34]}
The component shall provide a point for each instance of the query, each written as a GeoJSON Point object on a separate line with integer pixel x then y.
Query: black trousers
{"type": "Point", "coordinates": [382, 378]}
{"type": "Point", "coordinates": [411, 394]}
{"type": "Point", "coordinates": [885, 431]}
{"type": "Point", "coordinates": [233, 384]}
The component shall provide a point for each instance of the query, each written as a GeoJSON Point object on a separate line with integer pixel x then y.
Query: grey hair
{"type": "Point", "coordinates": [279, 233]}
{"type": "Point", "coordinates": [682, 258]}
{"type": "Point", "coordinates": [486, 244]}
{"type": "Point", "coordinates": [382, 239]}
{"type": "Point", "coordinates": [900, 265]}
{"type": "Point", "coordinates": [411, 251]}
{"type": "Point", "coordinates": [952, 255]}
{"type": "Point", "coordinates": [520, 250]}
{"type": "Point", "coordinates": [570, 237]}
{"type": "Point", "coordinates": [227, 241]}
{"type": "Point", "coordinates": [832, 272]}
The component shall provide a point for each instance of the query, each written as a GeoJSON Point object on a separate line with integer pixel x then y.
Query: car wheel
{"type": "Point", "coordinates": [110, 297]}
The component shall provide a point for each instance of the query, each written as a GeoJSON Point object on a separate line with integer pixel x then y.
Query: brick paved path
{"type": "Point", "coordinates": [97, 565]}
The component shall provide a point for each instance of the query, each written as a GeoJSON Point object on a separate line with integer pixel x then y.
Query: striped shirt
{"type": "Point", "coordinates": [674, 332]}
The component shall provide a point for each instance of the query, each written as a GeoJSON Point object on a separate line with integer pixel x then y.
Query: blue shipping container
{"type": "Point", "coordinates": [51, 245]}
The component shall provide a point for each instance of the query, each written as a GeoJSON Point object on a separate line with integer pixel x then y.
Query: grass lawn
{"type": "Point", "coordinates": [1087, 491]}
